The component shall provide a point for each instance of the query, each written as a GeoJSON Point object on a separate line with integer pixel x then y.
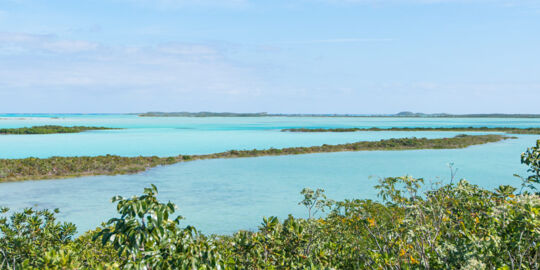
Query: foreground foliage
{"type": "Point", "coordinates": [454, 226]}
{"type": "Point", "coordinates": [507, 130]}
{"type": "Point", "coordinates": [62, 167]}
{"type": "Point", "coordinates": [49, 129]}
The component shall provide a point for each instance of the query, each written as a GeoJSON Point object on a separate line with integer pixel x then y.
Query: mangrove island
{"type": "Point", "coordinates": [507, 130]}
{"type": "Point", "coordinates": [48, 129]}
{"type": "Point", "coordinates": [65, 167]}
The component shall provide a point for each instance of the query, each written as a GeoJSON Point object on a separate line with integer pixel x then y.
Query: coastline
{"type": "Point", "coordinates": [506, 130]}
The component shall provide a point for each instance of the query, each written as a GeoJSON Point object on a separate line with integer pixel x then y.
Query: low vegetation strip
{"type": "Point", "coordinates": [64, 167]}
{"type": "Point", "coordinates": [48, 129]}
{"type": "Point", "coordinates": [507, 130]}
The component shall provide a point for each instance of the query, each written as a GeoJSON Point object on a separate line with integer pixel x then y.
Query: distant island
{"type": "Point", "coordinates": [477, 115]}
{"type": "Point", "coordinates": [507, 130]}
{"type": "Point", "coordinates": [202, 114]}
{"type": "Point", "coordinates": [232, 114]}
{"type": "Point", "coordinates": [63, 167]}
{"type": "Point", "coordinates": [48, 129]}
{"type": "Point", "coordinates": [400, 114]}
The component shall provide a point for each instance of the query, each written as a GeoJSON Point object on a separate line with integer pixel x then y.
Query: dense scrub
{"type": "Point", "coordinates": [49, 129]}
{"type": "Point", "coordinates": [61, 167]}
{"type": "Point", "coordinates": [453, 226]}
{"type": "Point", "coordinates": [465, 129]}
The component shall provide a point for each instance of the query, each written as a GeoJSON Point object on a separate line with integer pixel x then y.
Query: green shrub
{"type": "Point", "coordinates": [148, 239]}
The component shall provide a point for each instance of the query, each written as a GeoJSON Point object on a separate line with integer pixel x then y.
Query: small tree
{"type": "Point", "coordinates": [315, 201]}
{"type": "Point", "coordinates": [149, 239]}
{"type": "Point", "coordinates": [531, 158]}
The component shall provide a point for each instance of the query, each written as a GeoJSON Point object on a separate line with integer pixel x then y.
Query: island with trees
{"type": "Point", "coordinates": [507, 130]}
{"type": "Point", "coordinates": [49, 129]}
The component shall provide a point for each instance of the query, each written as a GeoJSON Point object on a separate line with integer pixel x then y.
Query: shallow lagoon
{"type": "Point", "coordinates": [169, 136]}
{"type": "Point", "coordinates": [222, 196]}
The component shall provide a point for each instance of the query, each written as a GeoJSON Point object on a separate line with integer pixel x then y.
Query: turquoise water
{"type": "Point", "coordinates": [222, 196]}
{"type": "Point", "coordinates": [170, 136]}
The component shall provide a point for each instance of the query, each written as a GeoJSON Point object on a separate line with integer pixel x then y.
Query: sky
{"type": "Point", "coordinates": [276, 56]}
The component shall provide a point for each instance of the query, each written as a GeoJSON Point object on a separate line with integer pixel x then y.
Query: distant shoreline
{"type": "Point", "coordinates": [22, 116]}
{"type": "Point", "coordinates": [507, 130]}
{"type": "Point", "coordinates": [68, 167]}
{"type": "Point", "coordinates": [401, 114]}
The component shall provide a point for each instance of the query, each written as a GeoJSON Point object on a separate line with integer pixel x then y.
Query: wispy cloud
{"type": "Point", "coordinates": [384, 2]}
{"type": "Point", "coordinates": [161, 4]}
{"type": "Point", "coordinates": [182, 49]}
{"type": "Point", "coordinates": [340, 40]}
{"type": "Point", "coordinates": [176, 72]}
{"type": "Point", "coordinates": [94, 28]}
{"type": "Point", "coordinates": [24, 42]}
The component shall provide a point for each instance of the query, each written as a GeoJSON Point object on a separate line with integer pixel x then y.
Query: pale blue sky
{"type": "Point", "coordinates": [294, 56]}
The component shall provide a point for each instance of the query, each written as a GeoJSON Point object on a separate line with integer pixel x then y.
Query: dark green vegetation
{"type": "Point", "coordinates": [49, 129]}
{"type": "Point", "coordinates": [453, 226]}
{"type": "Point", "coordinates": [62, 167]}
{"type": "Point", "coordinates": [465, 129]}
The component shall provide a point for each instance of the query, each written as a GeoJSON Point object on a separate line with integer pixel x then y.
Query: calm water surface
{"type": "Point", "coordinates": [168, 136]}
{"type": "Point", "coordinates": [222, 196]}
